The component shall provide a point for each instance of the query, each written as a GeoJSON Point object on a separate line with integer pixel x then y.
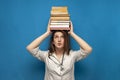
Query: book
{"type": "Point", "coordinates": [53, 25]}
{"type": "Point", "coordinates": [59, 9]}
{"type": "Point", "coordinates": [60, 28]}
{"type": "Point", "coordinates": [60, 18]}
{"type": "Point", "coordinates": [60, 15]}
{"type": "Point", "coordinates": [58, 23]}
{"type": "Point", "coordinates": [57, 27]}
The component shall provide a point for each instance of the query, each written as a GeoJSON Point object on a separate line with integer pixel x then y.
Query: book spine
{"type": "Point", "coordinates": [60, 21]}
{"type": "Point", "coordinates": [53, 23]}
{"type": "Point", "coordinates": [64, 9]}
{"type": "Point", "coordinates": [59, 25]}
{"type": "Point", "coordinates": [60, 18]}
{"type": "Point", "coordinates": [60, 15]}
{"type": "Point", "coordinates": [60, 28]}
{"type": "Point", "coordinates": [56, 7]}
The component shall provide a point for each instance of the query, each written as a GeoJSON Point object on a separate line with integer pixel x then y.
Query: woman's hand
{"type": "Point", "coordinates": [48, 28]}
{"type": "Point", "coordinates": [71, 28]}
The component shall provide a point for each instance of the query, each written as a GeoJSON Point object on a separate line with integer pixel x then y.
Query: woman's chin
{"type": "Point", "coordinates": [59, 47]}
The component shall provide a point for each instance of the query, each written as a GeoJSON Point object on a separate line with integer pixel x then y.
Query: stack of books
{"type": "Point", "coordinates": [59, 19]}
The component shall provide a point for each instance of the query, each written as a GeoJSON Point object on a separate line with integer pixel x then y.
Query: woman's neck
{"type": "Point", "coordinates": [59, 53]}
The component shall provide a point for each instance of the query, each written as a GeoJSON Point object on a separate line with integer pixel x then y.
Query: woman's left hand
{"type": "Point", "coordinates": [71, 28]}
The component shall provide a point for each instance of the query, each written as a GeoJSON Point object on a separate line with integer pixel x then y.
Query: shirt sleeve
{"type": "Point", "coordinates": [79, 54]}
{"type": "Point", "coordinates": [39, 54]}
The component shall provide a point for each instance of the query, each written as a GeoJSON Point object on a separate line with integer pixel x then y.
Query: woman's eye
{"type": "Point", "coordinates": [62, 36]}
{"type": "Point", "coordinates": [56, 37]}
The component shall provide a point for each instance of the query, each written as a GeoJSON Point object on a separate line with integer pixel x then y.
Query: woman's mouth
{"type": "Point", "coordinates": [59, 44]}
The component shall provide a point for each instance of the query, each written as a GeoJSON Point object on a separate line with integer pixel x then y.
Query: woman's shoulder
{"type": "Point", "coordinates": [72, 52]}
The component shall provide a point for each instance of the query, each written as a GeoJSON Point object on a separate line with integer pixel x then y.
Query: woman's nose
{"type": "Point", "coordinates": [59, 39]}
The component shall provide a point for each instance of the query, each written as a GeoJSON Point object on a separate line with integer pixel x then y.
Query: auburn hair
{"type": "Point", "coordinates": [66, 42]}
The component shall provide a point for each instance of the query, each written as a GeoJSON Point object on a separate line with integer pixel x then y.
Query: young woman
{"type": "Point", "coordinates": [59, 58]}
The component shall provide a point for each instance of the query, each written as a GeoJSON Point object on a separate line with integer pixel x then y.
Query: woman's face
{"type": "Point", "coordinates": [58, 40]}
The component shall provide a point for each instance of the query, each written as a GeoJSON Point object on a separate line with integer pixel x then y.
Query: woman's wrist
{"type": "Point", "coordinates": [48, 32]}
{"type": "Point", "coordinates": [71, 33]}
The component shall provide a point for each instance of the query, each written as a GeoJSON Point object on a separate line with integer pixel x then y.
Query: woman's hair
{"type": "Point", "coordinates": [66, 42]}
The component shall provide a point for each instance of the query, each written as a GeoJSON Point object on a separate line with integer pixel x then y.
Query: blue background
{"type": "Point", "coordinates": [96, 21]}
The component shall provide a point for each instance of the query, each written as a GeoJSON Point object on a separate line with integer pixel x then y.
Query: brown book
{"type": "Point", "coordinates": [59, 9]}
{"type": "Point", "coordinates": [60, 18]}
{"type": "Point", "coordinates": [60, 15]}
{"type": "Point", "coordinates": [59, 28]}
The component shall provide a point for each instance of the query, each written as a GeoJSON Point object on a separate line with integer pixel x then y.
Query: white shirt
{"type": "Point", "coordinates": [53, 68]}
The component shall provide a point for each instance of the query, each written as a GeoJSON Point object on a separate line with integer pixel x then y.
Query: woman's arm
{"type": "Point", "coordinates": [38, 40]}
{"type": "Point", "coordinates": [84, 45]}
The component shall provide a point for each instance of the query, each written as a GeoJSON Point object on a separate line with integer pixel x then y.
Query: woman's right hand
{"type": "Point", "coordinates": [48, 27]}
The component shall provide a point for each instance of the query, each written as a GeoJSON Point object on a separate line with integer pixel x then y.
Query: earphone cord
{"type": "Point", "coordinates": [57, 60]}
{"type": "Point", "coordinates": [62, 59]}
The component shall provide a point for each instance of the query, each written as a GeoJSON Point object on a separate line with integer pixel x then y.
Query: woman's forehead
{"type": "Point", "coordinates": [58, 33]}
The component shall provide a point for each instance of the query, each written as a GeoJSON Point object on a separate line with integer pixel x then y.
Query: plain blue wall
{"type": "Point", "coordinates": [96, 21]}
